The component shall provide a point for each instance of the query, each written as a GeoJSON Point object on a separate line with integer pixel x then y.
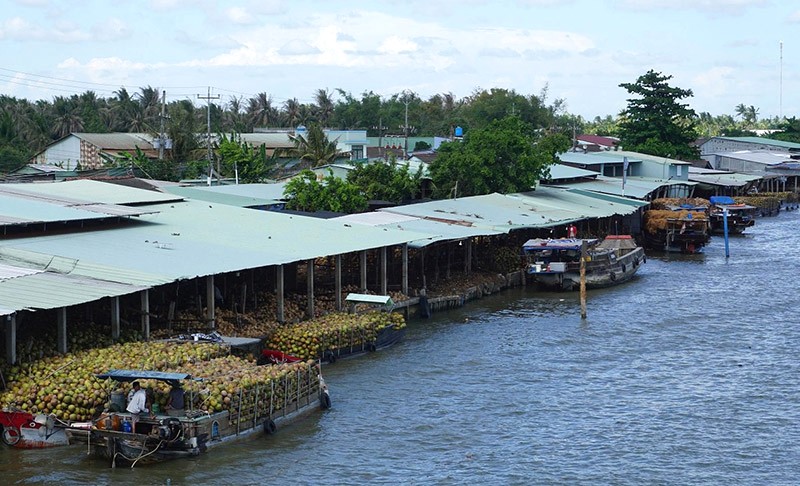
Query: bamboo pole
{"type": "Point", "coordinates": [583, 279]}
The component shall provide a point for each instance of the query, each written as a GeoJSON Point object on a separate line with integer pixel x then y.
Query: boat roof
{"type": "Point", "coordinates": [133, 375]}
{"type": "Point", "coordinates": [557, 243]}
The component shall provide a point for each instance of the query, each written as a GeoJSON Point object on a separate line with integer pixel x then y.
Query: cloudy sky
{"type": "Point", "coordinates": [727, 52]}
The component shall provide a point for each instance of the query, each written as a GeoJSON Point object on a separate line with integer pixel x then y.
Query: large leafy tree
{"type": "Point", "coordinates": [655, 121]}
{"type": "Point", "coordinates": [386, 181]}
{"type": "Point", "coordinates": [251, 164]}
{"type": "Point", "coordinates": [504, 157]}
{"type": "Point", "coordinates": [306, 193]}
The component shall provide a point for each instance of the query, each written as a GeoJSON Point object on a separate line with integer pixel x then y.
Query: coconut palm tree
{"type": "Point", "coordinates": [260, 111]}
{"type": "Point", "coordinates": [324, 106]}
{"type": "Point", "coordinates": [291, 112]}
{"type": "Point", "coordinates": [312, 148]}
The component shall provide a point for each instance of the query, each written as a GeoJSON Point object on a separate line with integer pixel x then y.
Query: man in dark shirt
{"type": "Point", "coordinates": [175, 403]}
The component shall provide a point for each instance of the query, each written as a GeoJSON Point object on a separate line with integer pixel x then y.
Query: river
{"type": "Point", "coordinates": [688, 374]}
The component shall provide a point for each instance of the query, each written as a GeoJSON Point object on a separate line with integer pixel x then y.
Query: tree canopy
{"type": "Point", "coordinates": [655, 122]}
{"type": "Point", "coordinates": [306, 193]}
{"type": "Point", "coordinates": [386, 181]}
{"type": "Point", "coordinates": [503, 157]}
{"type": "Point", "coordinates": [312, 147]}
{"type": "Point", "coordinates": [249, 163]}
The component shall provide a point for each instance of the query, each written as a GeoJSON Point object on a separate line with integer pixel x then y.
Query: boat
{"type": "Point", "coordinates": [368, 325]}
{"type": "Point", "coordinates": [740, 216]}
{"type": "Point", "coordinates": [678, 229]}
{"type": "Point", "coordinates": [555, 263]}
{"type": "Point", "coordinates": [160, 437]}
{"type": "Point", "coordinates": [25, 430]}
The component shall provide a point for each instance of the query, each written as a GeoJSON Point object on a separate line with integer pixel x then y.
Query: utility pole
{"type": "Point", "coordinates": [162, 138]}
{"type": "Point", "coordinates": [780, 106]}
{"type": "Point", "coordinates": [208, 98]}
{"type": "Point", "coordinates": [405, 127]}
{"type": "Point", "coordinates": [380, 129]}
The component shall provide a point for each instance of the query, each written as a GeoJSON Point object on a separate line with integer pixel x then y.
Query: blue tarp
{"type": "Point", "coordinates": [716, 200]}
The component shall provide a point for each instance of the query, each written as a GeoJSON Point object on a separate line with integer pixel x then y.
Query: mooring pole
{"type": "Point", "coordinates": [725, 231]}
{"type": "Point", "coordinates": [583, 279]}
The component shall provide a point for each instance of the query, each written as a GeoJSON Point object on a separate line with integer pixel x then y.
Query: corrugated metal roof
{"type": "Point", "coordinates": [757, 156]}
{"type": "Point", "coordinates": [19, 211]}
{"type": "Point", "coordinates": [561, 171]}
{"type": "Point", "coordinates": [721, 178]}
{"type": "Point", "coordinates": [194, 239]}
{"type": "Point", "coordinates": [597, 158]}
{"type": "Point", "coordinates": [85, 191]}
{"type": "Point", "coordinates": [635, 187]}
{"type": "Point", "coordinates": [764, 141]}
{"type": "Point", "coordinates": [271, 140]}
{"type": "Point", "coordinates": [51, 290]}
{"type": "Point", "coordinates": [218, 197]}
{"type": "Point", "coordinates": [118, 141]}
{"type": "Point", "coordinates": [437, 231]}
{"type": "Point", "coordinates": [542, 208]}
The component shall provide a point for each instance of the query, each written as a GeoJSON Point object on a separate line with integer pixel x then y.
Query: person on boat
{"type": "Point", "coordinates": [175, 402]}
{"type": "Point", "coordinates": [572, 231]}
{"type": "Point", "coordinates": [137, 403]}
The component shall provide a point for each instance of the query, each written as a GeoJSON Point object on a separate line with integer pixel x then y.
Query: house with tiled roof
{"type": "Point", "coordinates": [596, 143]}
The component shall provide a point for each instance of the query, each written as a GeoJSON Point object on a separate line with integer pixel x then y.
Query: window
{"type": "Point", "coordinates": [357, 152]}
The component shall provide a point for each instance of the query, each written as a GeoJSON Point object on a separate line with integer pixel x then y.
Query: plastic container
{"type": "Point", "coordinates": [116, 423]}
{"type": "Point", "coordinates": [127, 426]}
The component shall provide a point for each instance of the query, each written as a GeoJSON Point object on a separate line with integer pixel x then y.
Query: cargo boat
{"type": "Point", "coordinates": [162, 437]}
{"type": "Point", "coordinates": [740, 216]}
{"type": "Point", "coordinates": [555, 263]}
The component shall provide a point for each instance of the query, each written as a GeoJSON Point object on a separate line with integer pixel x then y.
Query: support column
{"type": "Point", "coordinates": [310, 288]}
{"type": "Point", "coordinates": [405, 269]}
{"type": "Point", "coordinates": [384, 277]}
{"type": "Point", "coordinates": [11, 338]}
{"type": "Point", "coordinates": [468, 257]}
{"type": "Point", "coordinates": [115, 318]}
{"type": "Point", "coordinates": [62, 330]}
{"type": "Point", "coordinates": [210, 302]}
{"type": "Point", "coordinates": [145, 308]}
{"type": "Point", "coordinates": [363, 258]}
{"type": "Point", "coordinates": [281, 311]}
{"type": "Point", "coordinates": [338, 281]}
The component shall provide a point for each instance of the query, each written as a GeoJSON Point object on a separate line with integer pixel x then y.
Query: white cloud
{"type": "Point", "coordinates": [111, 29]}
{"type": "Point", "coordinates": [716, 7]}
{"type": "Point", "coordinates": [397, 45]}
{"type": "Point", "coordinates": [297, 47]}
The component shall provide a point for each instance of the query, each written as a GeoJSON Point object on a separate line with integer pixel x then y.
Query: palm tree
{"type": "Point", "coordinates": [313, 149]}
{"type": "Point", "coordinates": [324, 106]}
{"type": "Point", "coordinates": [291, 112]}
{"type": "Point", "coordinates": [67, 117]}
{"type": "Point", "coordinates": [260, 111]}
{"type": "Point", "coordinates": [232, 117]}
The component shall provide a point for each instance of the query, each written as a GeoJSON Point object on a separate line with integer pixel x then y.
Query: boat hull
{"type": "Point", "coordinates": [386, 337]}
{"type": "Point", "coordinates": [23, 430]}
{"type": "Point", "coordinates": [597, 276]}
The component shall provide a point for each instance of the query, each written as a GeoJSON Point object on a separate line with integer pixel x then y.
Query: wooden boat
{"type": "Point", "coordinates": [555, 263]}
{"type": "Point", "coordinates": [24, 430]}
{"type": "Point", "coordinates": [163, 437]}
{"type": "Point", "coordinates": [679, 229]}
{"type": "Point", "coordinates": [740, 216]}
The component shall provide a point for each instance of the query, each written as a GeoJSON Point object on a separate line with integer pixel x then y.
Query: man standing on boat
{"type": "Point", "coordinates": [572, 231]}
{"type": "Point", "coordinates": [175, 403]}
{"type": "Point", "coordinates": [137, 403]}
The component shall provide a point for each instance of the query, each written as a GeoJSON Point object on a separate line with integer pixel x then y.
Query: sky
{"type": "Point", "coordinates": [727, 52]}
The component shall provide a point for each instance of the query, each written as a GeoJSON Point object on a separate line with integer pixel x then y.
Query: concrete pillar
{"type": "Point", "coordinates": [210, 302]}
{"type": "Point", "coordinates": [310, 288]}
{"type": "Point", "coordinates": [405, 269]}
{"type": "Point", "coordinates": [363, 260]}
{"type": "Point", "coordinates": [115, 318]}
{"type": "Point", "coordinates": [11, 338]}
{"type": "Point", "coordinates": [383, 274]}
{"type": "Point", "coordinates": [281, 311]}
{"type": "Point", "coordinates": [338, 281]}
{"type": "Point", "coordinates": [145, 308]}
{"type": "Point", "coordinates": [62, 330]}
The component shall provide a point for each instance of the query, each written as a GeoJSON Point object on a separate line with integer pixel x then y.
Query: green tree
{"type": "Point", "coordinates": [655, 122]}
{"type": "Point", "coordinates": [162, 170]}
{"type": "Point", "coordinates": [306, 193]}
{"type": "Point", "coordinates": [251, 164]}
{"type": "Point", "coordinates": [790, 131]}
{"type": "Point", "coordinates": [313, 148]}
{"type": "Point", "coordinates": [503, 157]}
{"type": "Point", "coordinates": [386, 181]}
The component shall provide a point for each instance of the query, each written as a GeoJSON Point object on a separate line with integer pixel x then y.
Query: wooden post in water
{"type": "Point", "coordinates": [583, 279]}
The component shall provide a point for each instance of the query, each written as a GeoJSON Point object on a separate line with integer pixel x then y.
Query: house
{"type": "Point", "coordinates": [93, 150]}
{"type": "Point", "coordinates": [596, 143]}
{"type": "Point", "coordinates": [715, 145]}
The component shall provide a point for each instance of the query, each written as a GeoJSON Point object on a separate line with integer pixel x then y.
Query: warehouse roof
{"type": "Point", "coordinates": [720, 177]}
{"type": "Point", "coordinates": [635, 187]}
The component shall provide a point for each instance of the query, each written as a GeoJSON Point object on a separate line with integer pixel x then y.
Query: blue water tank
{"type": "Point", "coordinates": [459, 132]}
{"type": "Point", "coordinates": [300, 129]}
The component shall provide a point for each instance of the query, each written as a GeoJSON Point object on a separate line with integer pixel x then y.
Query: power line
{"type": "Point", "coordinates": [208, 98]}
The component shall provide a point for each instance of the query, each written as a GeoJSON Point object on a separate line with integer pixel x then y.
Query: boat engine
{"type": "Point", "coordinates": [170, 429]}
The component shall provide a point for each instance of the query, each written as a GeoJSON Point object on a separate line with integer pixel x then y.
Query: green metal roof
{"type": "Point", "coordinates": [764, 141]}
{"type": "Point", "coordinates": [208, 194]}
{"type": "Point", "coordinates": [88, 191]}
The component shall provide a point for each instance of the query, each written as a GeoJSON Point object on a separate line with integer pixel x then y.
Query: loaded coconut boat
{"type": "Point", "coordinates": [677, 225]}
{"type": "Point", "coordinates": [25, 430]}
{"type": "Point", "coordinates": [740, 216]}
{"type": "Point", "coordinates": [235, 400]}
{"type": "Point", "coordinates": [369, 325]}
{"type": "Point", "coordinates": [555, 263]}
